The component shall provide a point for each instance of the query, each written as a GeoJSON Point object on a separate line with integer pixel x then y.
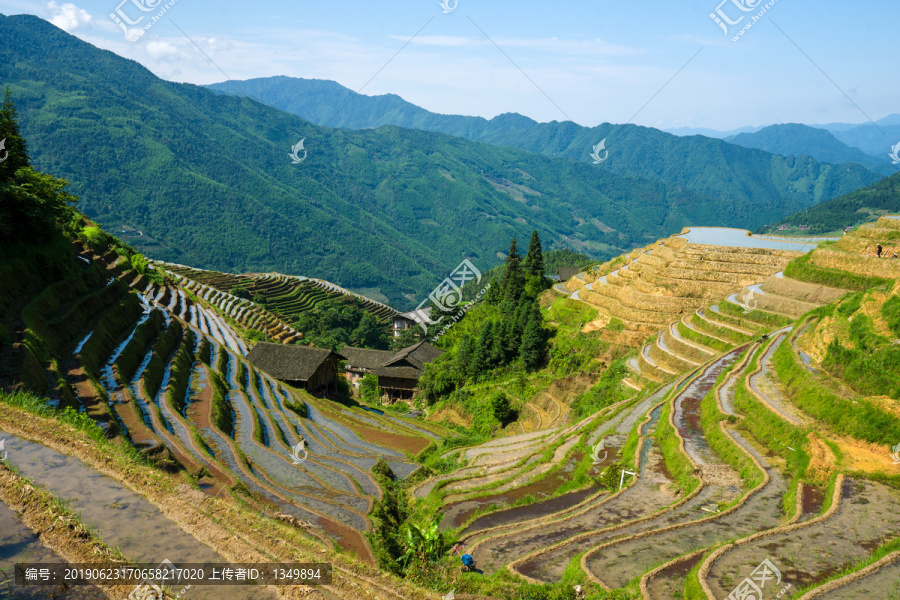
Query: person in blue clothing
{"type": "Point", "coordinates": [468, 563]}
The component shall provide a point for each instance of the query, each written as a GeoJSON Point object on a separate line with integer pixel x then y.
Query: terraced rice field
{"type": "Point", "coordinates": [286, 296]}
{"type": "Point", "coordinates": [710, 493]}
{"type": "Point", "coordinates": [17, 544]}
{"type": "Point", "coordinates": [510, 538]}
{"type": "Point", "coordinates": [172, 378]}
{"type": "Point", "coordinates": [117, 515]}
{"type": "Point", "coordinates": [867, 517]}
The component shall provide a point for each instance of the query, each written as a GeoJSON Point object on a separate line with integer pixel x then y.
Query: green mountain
{"type": "Point", "coordinates": [706, 166]}
{"type": "Point", "coordinates": [877, 141]}
{"type": "Point", "coordinates": [204, 179]}
{"type": "Point", "coordinates": [198, 178]}
{"type": "Point", "coordinates": [794, 139]}
{"type": "Point", "coordinates": [849, 210]}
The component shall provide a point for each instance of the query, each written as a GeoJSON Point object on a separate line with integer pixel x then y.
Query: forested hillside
{"type": "Point", "coordinates": [794, 139]}
{"type": "Point", "coordinates": [850, 210]}
{"type": "Point", "coordinates": [706, 166]}
{"type": "Point", "coordinates": [209, 180]}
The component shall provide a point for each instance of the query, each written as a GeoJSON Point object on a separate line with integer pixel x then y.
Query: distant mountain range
{"type": "Point", "coordinates": [388, 212]}
{"type": "Point", "coordinates": [873, 139]}
{"type": "Point", "coordinates": [793, 139]}
{"type": "Point", "coordinates": [739, 176]}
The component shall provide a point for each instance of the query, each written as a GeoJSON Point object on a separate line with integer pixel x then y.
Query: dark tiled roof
{"type": "Point", "coordinates": [399, 372]}
{"type": "Point", "coordinates": [416, 355]}
{"type": "Point", "coordinates": [406, 363]}
{"type": "Point", "coordinates": [293, 363]}
{"type": "Point", "coordinates": [365, 358]}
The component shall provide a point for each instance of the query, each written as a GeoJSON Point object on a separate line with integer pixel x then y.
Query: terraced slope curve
{"type": "Point", "coordinates": [675, 276]}
{"type": "Point", "coordinates": [168, 374]}
{"type": "Point", "coordinates": [286, 295]}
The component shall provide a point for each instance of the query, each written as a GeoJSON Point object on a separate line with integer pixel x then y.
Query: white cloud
{"type": "Point", "coordinates": [161, 49]}
{"type": "Point", "coordinates": [68, 17]}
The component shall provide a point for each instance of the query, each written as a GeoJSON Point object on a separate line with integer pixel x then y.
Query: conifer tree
{"type": "Point", "coordinates": [534, 345]}
{"type": "Point", "coordinates": [31, 203]}
{"type": "Point", "coordinates": [464, 355]}
{"type": "Point", "coordinates": [513, 280]}
{"type": "Point", "coordinates": [15, 149]}
{"type": "Point", "coordinates": [481, 356]}
{"type": "Point", "coordinates": [534, 258]}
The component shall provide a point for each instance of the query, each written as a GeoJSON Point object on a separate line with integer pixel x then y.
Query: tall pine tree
{"type": "Point", "coordinates": [15, 150]}
{"type": "Point", "coordinates": [535, 282]}
{"type": "Point", "coordinates": [534, 258]}
{"type": "Point", "coordinates": [514, 279]}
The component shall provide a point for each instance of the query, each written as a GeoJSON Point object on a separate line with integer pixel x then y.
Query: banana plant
{"type": "Point", "coordinates": [426, 544]}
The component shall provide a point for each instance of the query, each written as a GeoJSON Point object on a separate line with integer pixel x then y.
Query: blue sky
{"type": "Point", "coordinates": [591, 62]}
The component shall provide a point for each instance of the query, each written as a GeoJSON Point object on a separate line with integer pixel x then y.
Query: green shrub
{"type": "Point", "coordinates": [299, 408]}
{"type": "Point", "coordinates": [96, 238]}
{"type": "Point", "coordinates": [240, 292]}
{"type": "Point", "coordinates": [389, 515]}
{"type": "Point", "coordinates": [368, 388]}
{"type": "Point", "coordinates": [501, 407]}
{"type": "Point", "coordinates": [605, 392]}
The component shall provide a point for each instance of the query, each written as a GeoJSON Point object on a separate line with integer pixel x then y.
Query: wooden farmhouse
{"type": "Point", "coordinates": [398, 372]}
{"type": "Point", "coordinates": [303, 367]}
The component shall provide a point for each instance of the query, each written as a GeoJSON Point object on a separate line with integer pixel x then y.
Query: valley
{"type": "Point", "coordinates": [672, 375]}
